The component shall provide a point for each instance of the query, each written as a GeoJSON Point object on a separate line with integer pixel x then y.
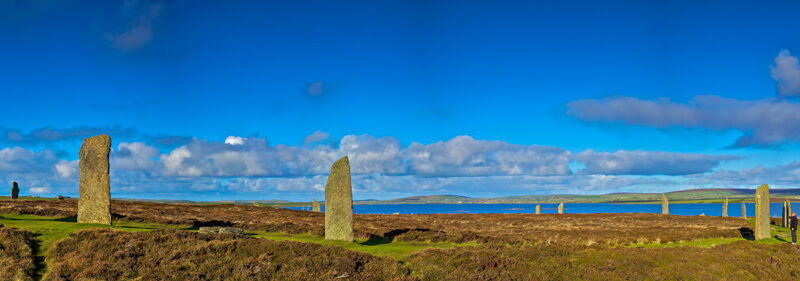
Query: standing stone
{"type": "Point", "coordinates": [94, 202]}
{"type": "Point", "coordinates": [14, 190]}
{"type": "Point", "coordinates": [664, 205]}
{"type": "Point", "coordinates": [316, 206]}
{"type": "Point", "coordinates": [725, 208]}
{"type": "Point", "coordinates": [561, 208]}
{"type": "Point", "coordinates": [255, 204]}
{"type": "Point", "coordinates": [744, 211]}
{"type": "Point", "coordinates": [538, 209]}
{"type": "Point", "coordinates": [787, 213]}
{"type": "Point", "coordinates": [762, 212]}
{"type": "Point", "coordinates": [339, 202]}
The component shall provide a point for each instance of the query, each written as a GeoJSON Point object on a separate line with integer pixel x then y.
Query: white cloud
{"type": "Point", "coordinates": [762, 122]}
{"type": "Point", "coordinates": [136, 156]}
{"type": "Point", "coordinates": [40, 190]}
{"type": "Point", "coordinates": [234, 140]}
{"type": "Point", "coordinates": [67, 169]}
{"type": "Point", "coordinates": [786, 73]}
{"type": "Point", "coordinates": [649, 162]}
{"type": "Point", "coordinates": [315, 137]}
{"type": "Point", "coordinates": [465, 156]}
{"type": "Point", "coordinates": [21, 160]}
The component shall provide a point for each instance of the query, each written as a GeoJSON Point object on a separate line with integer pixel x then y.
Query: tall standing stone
{"type": "Point", "coordinates": [744, 211]}
{"type": "Point", "coordinates": [14, 190]}
{"type": "Point", "coordinates": [664, 204]}
{"type": "Point", "coordinates": [339, 202]}
{"type": "Point", "coordinates": [725, 207]}
{"type": "Point", "coordinates": [787, 213]}
{"type": "Point", "coordinates": [538, 209]}
{"type": "Point", "coordinates": [316, 206]}
{"type": "Point", "coordinates": [762, 212]}
{"type": "Point", "coordinates": [94, 203]}
{"type": "Point", "coordinates": [561, 208]}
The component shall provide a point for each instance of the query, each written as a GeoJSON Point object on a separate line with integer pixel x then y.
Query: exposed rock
{"type": "Point", "coordinates": [538, 209]}
{"type": "Point", "coordinates": [316, 206]}
{"type": "Point", "coordinates": [725, 208]}
{"type": "Point", "coordinates": [94, 203]}
{"type": "Point", "coordinates": [221, 230]}
{"type": "Point", "coordinates": [255, 204]}
{"type": "Point", "coordinates": [762, 212]}
{"type": "Point", "coordinates": [664, 204]}
{"type": "Point", "coordinates": [14, 190]}
{"type": "Point", "coordinates": [561, 208]}
{"type": "Point", "coordinates": [339, 202]}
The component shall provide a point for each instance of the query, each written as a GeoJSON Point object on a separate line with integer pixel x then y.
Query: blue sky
{"type": "Point", "coordinates": [476, 98]}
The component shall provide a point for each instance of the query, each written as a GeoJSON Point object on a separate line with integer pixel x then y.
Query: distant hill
{"type": "Point", "coordinates": [688, 196]}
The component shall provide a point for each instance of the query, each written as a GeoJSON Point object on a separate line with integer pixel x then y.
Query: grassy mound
{"type": "Point", "coordinates": [16, 254]}
{"type": "Point", "coordinates": [183, 255]}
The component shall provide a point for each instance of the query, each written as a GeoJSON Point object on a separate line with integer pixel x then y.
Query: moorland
{"type": "Point", "coordinates": [40, 239]}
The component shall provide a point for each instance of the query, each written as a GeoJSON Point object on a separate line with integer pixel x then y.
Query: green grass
{"type": "Point", "coordinates": [49, 230]}
{"type": "Point", "coordinates": [398, 250]}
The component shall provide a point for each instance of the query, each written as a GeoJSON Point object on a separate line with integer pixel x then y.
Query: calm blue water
{"type": "Point", "coordinates": [710, 209]}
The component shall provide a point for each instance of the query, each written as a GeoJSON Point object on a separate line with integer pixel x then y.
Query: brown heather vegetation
{"type": "Point", "coordinates": [510, 247]}
{"type": "Point", "coordinates": [742, 260]}
{"type": "Point", "coordinates": [103, 254]}
{"type": "Point", "coordinates": [16, 254]}
{"type": "Point", "coordinates": [588, 229]}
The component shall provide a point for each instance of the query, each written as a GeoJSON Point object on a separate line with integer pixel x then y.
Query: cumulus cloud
{"type": "Point", "coordinates": [763, 122]}
{"type": "Point", "coordinates": [136, 156]}
{"type": "Point", "coordinates": [787, 175]}
{"type": "Point", "coordinates": [67, 169]}
{"type": "Point", "coordinates": [315, 137]}
{"type": "Point", "coordinates": [40, 190]}
{"type": "Point", "coordinates": [378, 164]}
{"type": "Point", "coordinates": [465, 156]}
{"type": "Point", "coordinates": [649, 162]}
{"type": "Point", "coordinates": [786, 73]}
{"type": "Point", "coordinates": [21, 160]}
{"type": "Point", "coordinates": [138, 32]}
{"type": "Point", "coordinates": [234, 140]}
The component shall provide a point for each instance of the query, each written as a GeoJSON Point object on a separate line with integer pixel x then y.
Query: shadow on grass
{"type": "Point", "coordinates": [38, 257]}
{"type": "Point", "coordinates": [747, 233]}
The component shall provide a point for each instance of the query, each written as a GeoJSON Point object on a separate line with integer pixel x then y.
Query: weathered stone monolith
{"type": "Point", "coordinates": [538, 209]}
{"type": "Point", "coordinates": [94, 203]}
{"type": "Point", "coordinates": [787, 213]}
{"type": "Point", "coordinates": [664, 204]}
{"type": "Point", "coordinates": [316, 206]}
{"type": "Point", "coordinates": [561, 208]}
{"type": "Point", "coordinates": [744, 211]}
{"type": "Point", "coordinates": [339, 202]}
{"type": "Point", "coordinates": [762, 212]}
{"type": "Point", "coordinates": [14, 190]}
{"type": "Point", "coordinates": [725, 207]}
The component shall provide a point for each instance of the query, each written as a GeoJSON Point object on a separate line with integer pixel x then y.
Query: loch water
{"type": "Point", "coordinates": [709, 209]}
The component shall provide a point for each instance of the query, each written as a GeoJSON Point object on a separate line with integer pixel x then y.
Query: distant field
{"type": "Point", "coordinates": [155, 241]}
